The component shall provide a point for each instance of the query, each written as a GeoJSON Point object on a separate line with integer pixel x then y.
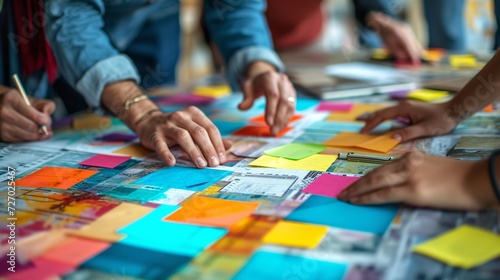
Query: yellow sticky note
{"type": "Point", "coordinates": [464, 247]}
{"type": "Point", "coordinates": [106, 226]}
{"type": "Point", "coordinates": [380, 54]}
{"type": "Point", "coordinates": [316, 162]}
{"type": "Point", "coordinates": [133, 150]}
{"type": "Point", "coordinates": [349, 139]}
{"type": "Point", "coordinates": [383, 143]}
{"type": "Point", "coordinates": [217, 91]}
{"type": "Point", "coordinates": [91, 121]}
{"type": "Point", "coordinates": [427, 95]}
{"type": "Point", "coordinates": [465, 60]}
{"type": "Point", "coordinates": [355, 112]}
{"type": "Point", "coordinates": [293, 234]}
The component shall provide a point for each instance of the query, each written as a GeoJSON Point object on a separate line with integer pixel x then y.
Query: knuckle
{"type": "Point", "coordinates": [193, 110]}
{"type": "Point", "coordinates": [181, 134]}
{"type": "Point", "coordinates": [200, 131]}
{"type": "Point", "coordinates": [177, 116]}
{"type": "Point", "coordinates": [211, 128]}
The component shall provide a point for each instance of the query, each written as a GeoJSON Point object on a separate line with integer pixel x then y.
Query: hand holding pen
{"type": "Point", "coordinates": [22, 121]}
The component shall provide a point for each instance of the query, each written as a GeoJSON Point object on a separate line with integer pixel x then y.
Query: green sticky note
{"type": "Point", "coordinates": [295, 151]}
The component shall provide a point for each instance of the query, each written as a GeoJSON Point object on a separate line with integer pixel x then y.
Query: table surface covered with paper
{"type": "Point", "coordinates": [91, 203]}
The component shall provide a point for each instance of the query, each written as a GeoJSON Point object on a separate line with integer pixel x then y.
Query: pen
{"type": "Point", "coordinates": [20, 88]}
{"type": "Point", "coordinates": [365, 158]}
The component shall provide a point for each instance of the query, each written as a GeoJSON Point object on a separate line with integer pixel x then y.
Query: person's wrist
{"type": "Point", "coordinates": [478, 181]}
{"type": "Point", "coordinates": [257, 68]}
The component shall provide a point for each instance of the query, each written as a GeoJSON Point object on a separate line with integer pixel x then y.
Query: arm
{"type": "Point", "coordinates": [239, 29]}
{"type": "Point", "coordinates": [362, 8]}
{"type": "Point", "coordinates": [104, 76]}
{"type": "Point", "coordinates": [436, 119]}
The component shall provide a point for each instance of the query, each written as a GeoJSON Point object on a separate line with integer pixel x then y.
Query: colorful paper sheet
{"type": "Point", "coordinates": [213, 212]}
{"type": "Point", "coordinates": [61, 178]}
{"type": "Point", "coordinates": [379, 143]}
{"type": "Point", "coordinates": [261, 119]}
{"type": "Point", "coordinates": [329, 185]}
{"type": "Point", "coordinates": [464, 247]}
{"type": "Point", "coordinates": [106, 161]}
{"type": "Point", "coordinates": [427, 95]}
{"type": "Point", "coordinates": [355, 112]}
{"type": "Point", "coordinates": [73, 251]}
{"type": "Point", "coordinates": [335, 213]}
{"type": "Point", "coordinates": [185, 178]}
{"type": "Point", "coordinates": [294, 234]}
{"type": "Point", "coordinates": [134, 150]}
{"type": "Point", "coordinates": [226, 127]}
{"type": "Point", "coordinates": [334, 127]}
{"type": "Point", "coordinates": [105, 228]}
{"type": "Point", "coordinates": [295, 151]}
{"type": "Point", "coordinates": [268, 265]}
{"type": "Point", "coordinates": [41, 269]}
{"type": "Point", "coordinates": [91, 121]}
{"type": "Point", "coordinates": [313, 163]}
{"type": "Point", "coordinates": [153, 233]}
{"type": "Point", "coordinates": [259, 131]}
{"type": "Point", "coordinates": [331, 106]}
{"type": "Point", "coordinates": [216, 91]}
{"type": "Point", "coordinates": [117, 137]}
{"type": "Point", "coordinates": [460, 61]}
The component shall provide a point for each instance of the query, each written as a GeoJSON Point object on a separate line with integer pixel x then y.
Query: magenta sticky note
{"type": "Point", "coordinates": [329, 185]}
{"type": "Point", "coordinates": [106, 161]}
{"type": "Point", "coordinates": [330, 106]}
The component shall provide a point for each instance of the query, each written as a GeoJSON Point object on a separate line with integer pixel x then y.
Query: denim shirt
{"type": "Point", "coordinates": [92, 39]}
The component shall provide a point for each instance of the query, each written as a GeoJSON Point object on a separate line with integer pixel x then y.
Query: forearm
{"type": "Point", "coordinates": [479, 183]}
{"type": "Point", "coordinates": [482, 90]}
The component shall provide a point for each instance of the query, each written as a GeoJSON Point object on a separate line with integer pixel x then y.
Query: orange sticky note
{"type": "Point", "coordinates": [349, 139]}
{"type": "Point", "coordinates": [134, 150]}
{"type": "Point", "coordinates": [355, 112]}
{"type": "Point", "coordinates": [213, 212]}
{"type": "Point", "coordinates": [262, 119]}
{"type": "Point", "coordinates": [489, 108]}
{"type": "Point", "coordinates": [383, 143]}
{"type": "Point", "coordinates": [73, 251]}
{"type": "Point", "coordinates": [61, 178]}
{"type": "Point", "coordinates": [91, 121]}
{"type": "Point", "coordinates": [259, 131]}
{"type": "Point", "coordinates": [378, 143]}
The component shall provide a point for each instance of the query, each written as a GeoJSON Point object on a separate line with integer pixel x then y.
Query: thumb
{"type": "Point", "coordinates": [248, 98]}
{"type": "Point", "coordinates": [410, 133]}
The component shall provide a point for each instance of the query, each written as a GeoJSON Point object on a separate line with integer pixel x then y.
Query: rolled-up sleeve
{"type": "Point", "coordinates": [86, 57]}
{"type": "Point", "coordinates": [240, 31]}
{"type": "Point", "coordinates": [363, 7]}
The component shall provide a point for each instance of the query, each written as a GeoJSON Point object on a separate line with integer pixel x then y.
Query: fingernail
{"type": "Point", "coordinates": [270, 121]}
{"type": "Point", "coordinates": [214, 161]}
{"type": "Point", "coordinates": [171, 161]}
{"type": "Point", "coordinates": [397, 137]}
{"type": "Point", "coordinates": [222, 157]}
{"type": "Point", "coordinates": [201, 162]}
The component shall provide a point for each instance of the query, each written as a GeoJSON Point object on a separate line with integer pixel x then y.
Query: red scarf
{"type": "Point", "coordinates": [34, 49]}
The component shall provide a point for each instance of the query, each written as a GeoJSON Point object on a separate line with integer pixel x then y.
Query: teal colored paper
{"type": "Point", "coordinates": [336, 127]}
{"type": "Point", "coordinates": [153, 233]}
{"type": "Point", "coordinates": [186, 178]}
{"type": "Point", "coordinates": [226, 127]}
{"type": "Point", "coordinates": [295, 151]}
{"type": "Point", "coordinates": [335, 213]}
{"type": "Point", "coordinates": [302, 104]}
{"type": "Point", "coordinates": [267, 265]}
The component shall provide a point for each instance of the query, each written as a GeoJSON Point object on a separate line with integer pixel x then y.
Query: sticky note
{"type": "Point", "coordinates": [126, 260]}
{"type": "Point", "coordinates": [261, 119]}
{"type": "Point", "coordinates": [259, 131]}
{"type": "Point", "coordinates": [294, 234]}
{"type": "Point", "coordinates": [167, 236]}
{"type": "Point", "coordinates": [355, 112]}
{"type": "Point", "coordinates": [459, 61]}
{"type": "Point", "coordinates": [105, 228]}
{"type": "Point", "coordinates": [117, 137]}
{"type": "Point", "coordinates": [427, 95]}
{"type": "Point", "coordinates": [295, 151]}
{"type": "Point", "coordinates": [134, 150]}
{"type": "Point", "coordinates": [106, 161]}
{"type": "Point", "coordinates": [185, 99]}
{"type": "Point", "coordinates": [61, 178]}
{"type": "Point", "coordinates": [376, 143]}
{"type": "Point", "coordinates": [316, 162]}
{"type": "Point", "coordinates": [329, 185]}
{"type": "Point", "coordinates": [301, 104]}
{"type": "Point", "coordinates": [464, 247]}
{"type": "Point", "coordinates": [186, 178]}
{"type": "Point", "coordinates": [41, 269]}
{"type": "Point", "coordinates": [227, 127]}
{"type": "Point", "coordinates": [330, 106]}
{"type": "Point", "coordinates": [216, 91]}
{"type": "Point", "coordinates": [213, 212]}
{"type": "Point", "coordinates": [91, 121]}
{"type": "Point", "coordinates": [280, 266]}
{"type": "Point", "coordinates": [380, 54]}
{"type": "Point", "coordinates": [321, 210]}
{"type": "Point", "coordinates": [73, 251]}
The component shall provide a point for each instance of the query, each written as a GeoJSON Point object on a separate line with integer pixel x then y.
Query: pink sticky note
{"type": "Point", "coordinates": [106, 161]}
{"type": "Point", "coordinates": [329, 185]}
{"type": "Point", "coordinates": [334, 106]}
{"type": "Point", "coordinates": [43, 269]}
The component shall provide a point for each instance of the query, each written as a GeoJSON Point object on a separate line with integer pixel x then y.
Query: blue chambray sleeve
{"type": "Point", "coordinates": [363, 7]}
{"type": "Point", "coordinates": [240, 30]}
{"type": "Point", "coordinates": [85, 55]}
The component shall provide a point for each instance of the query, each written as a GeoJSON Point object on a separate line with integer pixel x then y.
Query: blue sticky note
{"type": "Point", "coordinates": [153, 233]}
{"type": "Point", "coordinates": [335, 213]}
{"type": "Point", "coordinates": [289, 267]}
{"type": "Point", "coordinates": [226, 127]}
{"type": "Point", "coordinates": [137, 262]}
{"type": "Point", "coordinates": [186, 178]}
{"type": "Point", "coordinates": [302, 104]}
{"type": "Point", "coordinates": [334, 127]}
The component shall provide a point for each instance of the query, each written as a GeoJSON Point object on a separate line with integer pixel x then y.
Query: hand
{"type": "Point", "coordinates": [426, 181]}
{"type": "Point", "coordinates": [188, 128]}
{"type": "Point", "coordinates": [426, 119]}
{"type": "Point", "coordinates": [279, 93]}
{"type": "Point", "coordinates": [397, 36]}
{"type": "Point", "coordinates": [20, 122]}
